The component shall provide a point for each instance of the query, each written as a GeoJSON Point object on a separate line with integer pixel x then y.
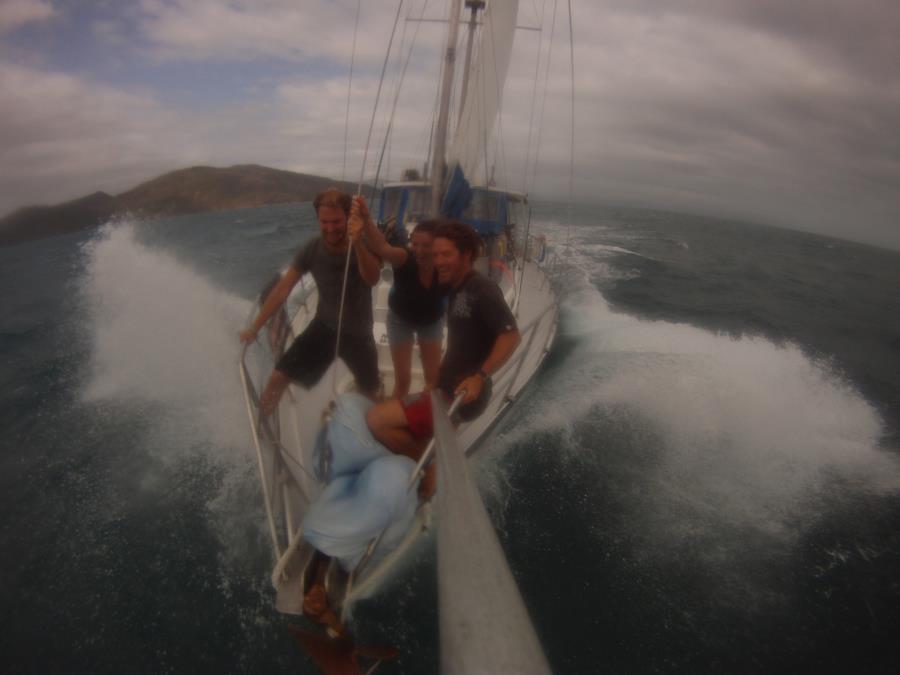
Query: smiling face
{"type": "Point", "coordinates": [421, 245]}
{"type": "Point", "coordinates": [452, 266]}
{"type": "Point", "coordinates": [333, 225]}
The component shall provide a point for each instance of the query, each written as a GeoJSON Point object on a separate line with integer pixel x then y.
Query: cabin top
{"type": "Point", "coordinates": [490, 210]}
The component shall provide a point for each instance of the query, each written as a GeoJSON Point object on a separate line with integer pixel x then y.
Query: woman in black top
{"type": "Point", "coordinates": [416, 302]}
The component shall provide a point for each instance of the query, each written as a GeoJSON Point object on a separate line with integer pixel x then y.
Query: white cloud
{"type": "Point", "coordinates": [709, 113]}
{"type": "Point", "coordinates": [728, 111]}
{"type": "Point", "coordinates": [62, 136]}
{"type": "Point", "coordinates": [16, 13]}
{"type": "Point", "coordinates": [245, 30]}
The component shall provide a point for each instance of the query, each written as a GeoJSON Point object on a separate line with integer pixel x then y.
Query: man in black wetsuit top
{"type": "Point", "coordinates": [481, 336]}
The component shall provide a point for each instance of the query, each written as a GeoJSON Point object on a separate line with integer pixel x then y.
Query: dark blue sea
{"type": "Point", "coordinates": [704, 477]}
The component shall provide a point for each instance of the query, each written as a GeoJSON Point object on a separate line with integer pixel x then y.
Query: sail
{"type": "Point", "coordinates": [483, 96]}
{"type": "Point", "coordinates": [484, 624]}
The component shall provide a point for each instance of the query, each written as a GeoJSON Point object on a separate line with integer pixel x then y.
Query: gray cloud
{"type": "Point", "coordinates": [207, 30]}
{"type": "Point", "coordinates": [744, 109]}
{"type": "Point", "coordinates": [16, 13]}
{"type": "Point", "coordinates": [62, 136]}
{"type": "Point", "coordinates": [780, 112]}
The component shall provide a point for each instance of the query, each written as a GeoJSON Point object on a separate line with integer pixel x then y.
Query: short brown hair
{"type": "Point", "coordinates": [428, 226]}
{"type": "Point", "coordinates": [334, 198]}
{"type": "Point", "coordinates": [464, 237]}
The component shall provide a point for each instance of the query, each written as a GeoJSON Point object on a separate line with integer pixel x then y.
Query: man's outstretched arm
{"type": "Point", "coordinates": [275, 299]}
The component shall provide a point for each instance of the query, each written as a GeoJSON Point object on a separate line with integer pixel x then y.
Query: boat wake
{"type": "Point", "coordinates": [716, 450]}
{"type": "Point", "coordinates": [164, 354]}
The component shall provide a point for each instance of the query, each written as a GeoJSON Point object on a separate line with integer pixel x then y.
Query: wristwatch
{"type": "Point", "coordinates": [484, 376]}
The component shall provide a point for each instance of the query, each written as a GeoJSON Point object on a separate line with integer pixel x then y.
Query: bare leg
{"type": "Point", "coordinates": [428, 484]}
{"type": "Point", "coordinates": [271, 395]}
{"type": "Point", "coordinates": [316, 600]}
{"type": "Point", "coordinates": [388, 424]}
{"type": "Point", "coordinates": [431, 361]}
{"type": "Point", "coordinates": [315, 603]}
{"type": "Point", "coordinates": [401, 355]}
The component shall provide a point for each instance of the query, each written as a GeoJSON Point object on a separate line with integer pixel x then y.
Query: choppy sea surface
{"type": "Point", "coordinates": [704, 476]}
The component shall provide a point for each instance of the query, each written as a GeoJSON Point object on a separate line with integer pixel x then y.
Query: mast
{"type": "Point", "coordinates": [440, 134]}
{"type": "Point", "coordinates": [473, 5]}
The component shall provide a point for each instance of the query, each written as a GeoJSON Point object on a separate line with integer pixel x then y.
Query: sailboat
{"type": "Point", "coordinates": [457, 184]}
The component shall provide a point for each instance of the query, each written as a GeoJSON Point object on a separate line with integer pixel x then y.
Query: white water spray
{"type": "Point", "coordinates": [753, 434]}
{"type": "Point", "coordinates": [165, 349]}
{"type": "Point", "coordinates": [164, 335]}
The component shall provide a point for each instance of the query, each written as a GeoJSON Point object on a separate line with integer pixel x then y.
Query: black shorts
{"type": "Point", "coordinates": [312, 352]}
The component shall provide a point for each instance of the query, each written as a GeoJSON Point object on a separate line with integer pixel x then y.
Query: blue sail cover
{"type": "Point", "coordinates": [458, 195]}
{"type": "Point", "coordinates": [367, 489]}
{"type": "Point", "coordinates": [483, 209]}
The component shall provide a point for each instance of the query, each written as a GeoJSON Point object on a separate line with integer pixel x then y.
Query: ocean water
{"type": "Point", "coordinates": [704, 476]}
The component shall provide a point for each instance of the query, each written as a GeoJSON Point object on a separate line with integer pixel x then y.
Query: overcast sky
{"type": "Point", "coordinates": [779, 111]}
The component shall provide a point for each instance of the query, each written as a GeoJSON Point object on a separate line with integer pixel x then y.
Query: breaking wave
{"type": "Point", "coordinates": [723, 434]}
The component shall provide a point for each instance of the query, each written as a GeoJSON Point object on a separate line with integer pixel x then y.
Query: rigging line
{"type": "Point", "coordinates": [537, 65]}
{"type": "Point", "coordinates": [362, 174]}
{"type": "Point", "coordinates": [500, 148]}
{"type": "Point", "coordinates": [537, 150]}
{"type": "Point", "coordinates": [387, 134]}
{"type": "Point", "coordinates": [385, 120]}
{"type": "Point", "coordinates": [434, 115]}
{"type": "Point", "coordinates": [455, 94]}
{"type": "Point", "coordinates": [452, 123]}
{"type": "Point", "coordinates": [482, 101]}
{"type": "Point", "coordinates": [349, 89]}
{"type": "Point", "coordinates": [478, 111]}
{"type": "Point", "coordinates": [572, 123]}
{"type": "Point", "coordinates": [387, 55]}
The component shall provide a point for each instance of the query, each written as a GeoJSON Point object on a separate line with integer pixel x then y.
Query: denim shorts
{"type": "Point", "coordinates": [401, 331]}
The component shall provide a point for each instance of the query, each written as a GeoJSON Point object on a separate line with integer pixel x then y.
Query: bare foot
{"type": "Point", "coordinates": [315, 606]}
{"type": "Point", "coordinates": [316, 601]}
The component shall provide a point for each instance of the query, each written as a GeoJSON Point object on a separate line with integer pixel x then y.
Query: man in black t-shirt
{"type": "Point", "coordinates": [324, 257]}
{"type": "Point", "coordinates": [481, 336]}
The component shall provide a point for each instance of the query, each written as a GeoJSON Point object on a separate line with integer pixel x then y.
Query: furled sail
{"type": "Point", "coordinates": [484, 624]}
{"type": "Point", "coordinates": [483, 97]}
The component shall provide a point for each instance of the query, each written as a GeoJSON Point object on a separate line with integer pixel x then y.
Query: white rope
{"type": "Point", "coordinates": [349, 89]}
{"type": "Point", "coordinates": [362, 173]}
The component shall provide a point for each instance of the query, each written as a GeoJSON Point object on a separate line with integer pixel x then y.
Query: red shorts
{"type": "Point", "coordinates": [417, 408]}
{"type": "Point", "coordinates": [418, 415]}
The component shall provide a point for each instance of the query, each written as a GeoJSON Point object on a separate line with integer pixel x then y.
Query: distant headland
{"type": "Point", "coordinates": [194, 190]}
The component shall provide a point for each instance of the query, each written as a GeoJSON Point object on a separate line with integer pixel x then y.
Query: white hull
{"type": "Point", "coordinates": [287, 473]}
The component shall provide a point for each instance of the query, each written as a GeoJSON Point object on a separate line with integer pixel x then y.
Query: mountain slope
{"type": "Point", "coordinates": [193, 190]}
